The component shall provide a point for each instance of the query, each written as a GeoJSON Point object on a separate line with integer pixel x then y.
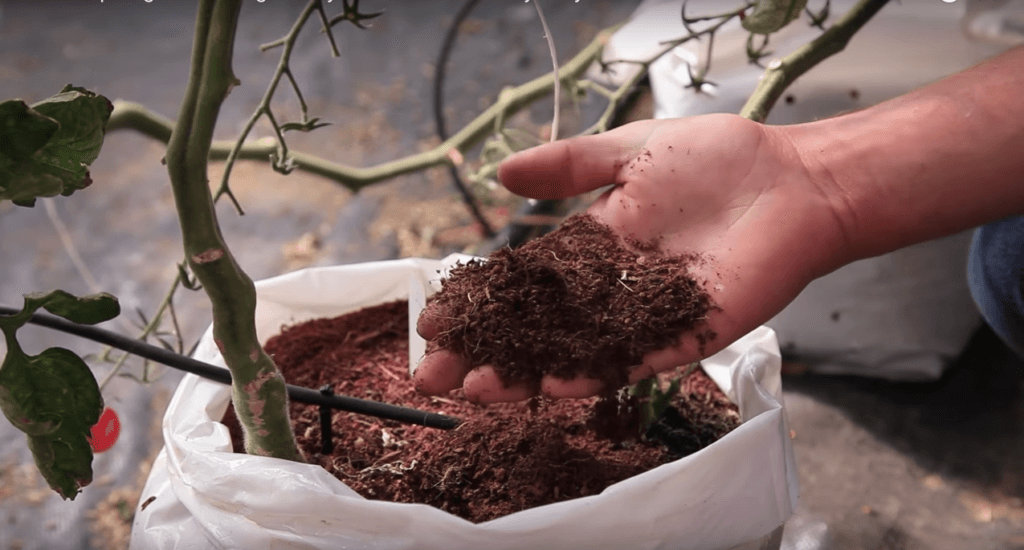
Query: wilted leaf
{"type": "Point", "coordinates": [771, 15]}
{"type": "Point", "coordinates": [87, 310]}
{"type": "Point", "coordinates": [23, 130]}
{"type": "Point", "coordinates": [31, 166]}
{"type": "Point", "coordinates": [53, 397]}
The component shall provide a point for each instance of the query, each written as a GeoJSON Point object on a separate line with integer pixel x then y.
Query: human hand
{"type": "Point", "coordinates": [731, 189]}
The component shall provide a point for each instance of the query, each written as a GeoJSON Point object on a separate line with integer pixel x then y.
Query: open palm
{"type": "Point", "coordinates": [732, 190]}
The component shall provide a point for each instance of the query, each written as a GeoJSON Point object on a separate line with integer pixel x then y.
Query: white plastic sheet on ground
{"type": "Point", "coordinates": [734, 494]}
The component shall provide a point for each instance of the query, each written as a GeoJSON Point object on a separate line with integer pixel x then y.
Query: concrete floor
{"type": "Point", "coordinates": [904, 466]}
{"type": "Point", "coordinates": [882, 466]}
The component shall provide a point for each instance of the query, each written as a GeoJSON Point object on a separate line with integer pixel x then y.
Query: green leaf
{"type": "Point", "coordinates": [771, 15]}
{"type": "Point", "coordinates": [87, 310]}
{"type": "Point", "coordinates": [46, 149]}
{"type": "Point", "coordinates": [23, 130]}
{"type": "Point", "coordinates": [643, 392]}
{"type": "Point", "coordinates": [53, 398]}
{"type": "Point", "coordinates": [660, 400]}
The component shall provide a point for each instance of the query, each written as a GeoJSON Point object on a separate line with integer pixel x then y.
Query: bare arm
{"type": "Point", "coordinates": [938, 160]}
{"type": "Point", "coordinates": [777, 206]}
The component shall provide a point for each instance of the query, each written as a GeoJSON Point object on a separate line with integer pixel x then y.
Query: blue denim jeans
{"type": "Point", "coordinates": [995, 273]}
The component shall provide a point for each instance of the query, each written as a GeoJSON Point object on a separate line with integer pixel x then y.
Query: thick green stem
{"type": "Point", "coordinates": [780, 74]}
{"type": "Point", "coordinates": [258, 390]}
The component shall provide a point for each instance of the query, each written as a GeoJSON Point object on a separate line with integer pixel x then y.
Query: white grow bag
{"type": "Point", "coordinates": [734, 494]}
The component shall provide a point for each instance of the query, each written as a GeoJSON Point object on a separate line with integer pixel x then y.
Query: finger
{"type": "Point", "coordinates": [440, 372]}
{"type": "Point", "coordinates": [688, 351]}
{"type": "Point", "coordinates": [483, 386]}
{"type": "Point", "coordinates": [573, 166]}
{"type": "Point", "coordinates": [577, 388]}
{"type": "Point", "coordinates": [429, 324]}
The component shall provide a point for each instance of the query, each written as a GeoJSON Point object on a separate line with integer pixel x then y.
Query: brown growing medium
{"type": "Point", "coordinates": [574, 302]}
{"type": "Point", "coordinates": [502, 459]}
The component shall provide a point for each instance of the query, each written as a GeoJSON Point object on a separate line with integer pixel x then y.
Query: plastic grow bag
{"type": "Point", "coordinates": [734, 494]}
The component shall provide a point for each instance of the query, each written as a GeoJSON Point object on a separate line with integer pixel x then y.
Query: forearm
{"type": "Point", "coordinates": [942, 159]}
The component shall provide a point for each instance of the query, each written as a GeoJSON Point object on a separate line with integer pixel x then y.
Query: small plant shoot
{"type": "Point", "coordinates": [653, 400]}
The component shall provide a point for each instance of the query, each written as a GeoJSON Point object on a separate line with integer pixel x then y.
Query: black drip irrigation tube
{"type": "Point", "coordinates": [440, 68]}
{"type": "Point", "coordinates": [513, 234]}
{"type": "Point", "coordinates": [324, 399]}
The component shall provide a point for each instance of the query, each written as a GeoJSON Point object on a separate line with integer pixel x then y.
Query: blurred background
{"type": "Point", "coordinates": [907, 414]}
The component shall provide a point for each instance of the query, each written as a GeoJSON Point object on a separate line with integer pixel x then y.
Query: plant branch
{"type": "Point", "coordinates": [330, 37]}
{"type": "Point", "coordinates": [614, 97]}
{"type": "Point", "coordinates": [298, 94]}
{"type": "Point", "coordinates": [263, 108]}
{"type": "Point", "coordinates": [83, 270]}
{"type": "Point", "coordinates": [781, 73]}
{"type": "Point", "coordinates": [128, 115]}
{"type": "Point", "coordinates": [258, 390]}
{"type": "Point", "coordinates": [622, 91]}
{"type": "Point", "coordinates": [150, 327]}
{"type": "Point", "coordinates": [69, 246]}
{"type": "Point", "coordinates": [134, 116]}
{"type": "Point", "coordinates": [554, 64]}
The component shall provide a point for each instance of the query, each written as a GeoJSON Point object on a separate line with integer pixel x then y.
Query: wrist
{"type": "Point", "coordinates": [933, 162]}
{"type": "Point", "coordinates": [816, 174]}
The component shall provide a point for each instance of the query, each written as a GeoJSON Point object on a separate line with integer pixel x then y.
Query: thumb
{"type": "Point", "coordinates": [576, 165]}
